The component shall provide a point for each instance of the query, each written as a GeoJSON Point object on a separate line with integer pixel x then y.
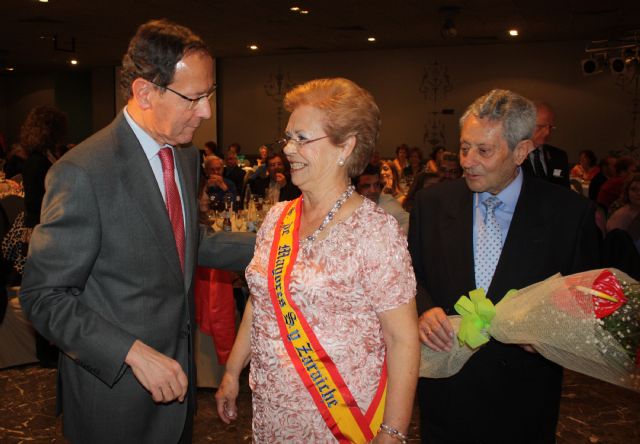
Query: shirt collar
{"type": "Point", "coordinates": [149, 145]}
{"type": "Point", "coordinates": [509, 196]}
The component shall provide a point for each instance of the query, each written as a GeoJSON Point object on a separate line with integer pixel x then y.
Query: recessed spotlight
{"type": "Point", "coordinates": [43, 1]}
{"type": "Point", "coordinates": [304, 11]}
{"type": "Point", "coordinates": [371, 39]}
{"type": "Point", "coordinates": [253, 47]}
{"type": "Point", "coordinates": [513, 32]}
{"type": "Point", "coordinates": [73, 62]}
{"type": "Point", "coordinates": [9, 68]}
{"type": "Point", "coordinates": [295, 8]}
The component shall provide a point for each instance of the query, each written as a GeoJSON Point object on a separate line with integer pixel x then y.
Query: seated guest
{"type": "Point", "coordinates": [612, 188]}
{"type": "Point", "coordinates": [415, 165]}
{"type": "Point", "coordinates": [627, 217]}
{"type": "Point", "coordinates": [369, 185]}
{"type": "Point", "coordinates": [401, 161]}
{"type": "Point", "coordinates": [261, 163]}
{"type": "Point", "coordinates": [390, 181]}
{"type": "Point", "coordinates": [232, 170]}
{"type": "Point", "coordinates": [434, 159]}
{"type": "Point", "coordinates": [606, 169]}
{"type": "Point", "coordinates": [217, 185]}
{"type": "Point", "coordinates": [449, 166]}
{"type": "Point", "coordinates": [16, 158]}
{"type": "Point", "coordinates": [586, 168]}
{"type": "Point", "coordinates": [375, 160]}
{"type": "Point", "coordinates": [277, 186]}
{"type": "Point", "coordinates": [422, 180]}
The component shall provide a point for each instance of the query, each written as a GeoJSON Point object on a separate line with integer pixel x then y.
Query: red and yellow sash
{"type": "Point", "coordinates": [318, 372]}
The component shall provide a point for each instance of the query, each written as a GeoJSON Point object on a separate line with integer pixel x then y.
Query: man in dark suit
{"type": "Point", "coordinates": [277, 185]}
{"type": "Point", "coordinates": [497, 229]}
{"type": "Point", "coordinates": [109, 276]}
{"type": "Point", "coordinates": [546, 161]}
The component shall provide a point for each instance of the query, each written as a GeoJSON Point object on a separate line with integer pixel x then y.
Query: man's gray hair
{"type": "Point", "coordinates": [517, 114]}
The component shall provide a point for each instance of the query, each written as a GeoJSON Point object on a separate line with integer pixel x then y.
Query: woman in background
{"type": "Point", "coordinates": [332, 318]}
{"type": "Point", "coordinates": [391, 181]}
{"type": "Point", "coordinates": [42, 134]}
{"type": "Point", "coordinates": [627, 217]}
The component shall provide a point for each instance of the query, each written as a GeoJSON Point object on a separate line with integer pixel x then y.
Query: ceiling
{"type": "Point", "coordinates": [45, 36]}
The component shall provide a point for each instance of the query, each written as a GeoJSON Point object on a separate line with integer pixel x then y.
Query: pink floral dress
{"type": "Point", "coordinates": [340, 283]}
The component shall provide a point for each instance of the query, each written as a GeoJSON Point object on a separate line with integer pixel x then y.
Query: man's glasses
{"type": "Point", "coordinates": [549, 127]}
{"type": "Point", "coordinates": [286, 140]}
{"type": "Point", "coordinates": [192, 102]}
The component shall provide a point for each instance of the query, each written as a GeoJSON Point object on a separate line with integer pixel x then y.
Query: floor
{"type": "Point", "coordinates": [591, 412]}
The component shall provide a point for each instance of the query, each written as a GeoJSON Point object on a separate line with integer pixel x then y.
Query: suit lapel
{"type": "Point", "coordinates": [141, 184]}
{"type": "Point", "coordinates": [527, 235]}
{"type": "Point", "coordinates": [458, 230]}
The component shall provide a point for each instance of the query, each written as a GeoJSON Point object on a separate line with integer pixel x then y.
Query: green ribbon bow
{"type": "Point", "coordinates": [477, 312]}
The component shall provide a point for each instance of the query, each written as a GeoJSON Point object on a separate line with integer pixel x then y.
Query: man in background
{"type": "Point", "coordinates": [546, 161]}
{"type": "Point", "coordinates": [368, 184]}
{"type": "Point", "coordinates": [277, 186]}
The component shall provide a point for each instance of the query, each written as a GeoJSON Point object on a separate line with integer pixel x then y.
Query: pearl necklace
{"type": "Point", "coordinates": [336, 206]}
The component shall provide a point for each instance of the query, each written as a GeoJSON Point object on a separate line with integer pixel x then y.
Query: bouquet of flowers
{"type": "Point", "coordinates": [587, 322]}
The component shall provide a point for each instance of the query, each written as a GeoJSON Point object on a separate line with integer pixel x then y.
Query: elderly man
{"type": "Point", "coordinates": [217, 184]}
{"type": "Point", "coordinates": [109, 276]}
{"type": "Point", "coordinates": [368, 185]}
{"type": "Point", "coordinates": [546, 161]}
{"type": "Point", "coordinates": [496, 229]}
{"type": "Point", "coordinates": [277, 186]}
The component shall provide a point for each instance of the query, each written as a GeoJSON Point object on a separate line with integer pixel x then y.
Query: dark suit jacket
{"type": "Point", "coordinates": [259, 186]}
{"type": "Point", "coordinates": [103, 271]}
{"type": "Point", "coordinates": [503, 394]}
{"type": "Point", "coordinates": [557, 164]}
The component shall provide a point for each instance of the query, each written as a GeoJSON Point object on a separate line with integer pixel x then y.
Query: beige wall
{"type": "Point", "coordinates": [593, 113]}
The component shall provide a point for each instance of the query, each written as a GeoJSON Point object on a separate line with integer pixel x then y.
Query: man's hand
{"type": "Point", "coordinates": [217, 181]}
{"type": "Point", "coordinates": [436, 332]}
{"type": "Point", "coordinates": [162, 376]}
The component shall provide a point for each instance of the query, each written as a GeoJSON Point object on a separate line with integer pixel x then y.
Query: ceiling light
{"type": "Point", "coordinates": [304, 11]}
{"type": "Point", "coordinates": [43, 1]}
{"type": "Point", "coordinates": [253, 47]}
{"type": "Point", "coordinates": [9, 68]}
{"type": "Point", "coordinates": [73, 61]}
{"type": "Point", "coordinates": [295, 8]}
{"type": "Point", "coordinates": [513, 32]}
{"type": "Point", "coordinates": [371, 39]}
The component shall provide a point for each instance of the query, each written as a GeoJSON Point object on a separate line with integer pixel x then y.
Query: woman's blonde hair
{"type": "Point", "coordinates": [349, 111]}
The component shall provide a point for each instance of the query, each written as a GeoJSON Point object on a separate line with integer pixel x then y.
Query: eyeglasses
{"type": "Point", "coordinates": [547, 126]}
{"type": "Point", "coordinates": [192, 102]}
{"type": "Point", "coordinates": [286, 140]}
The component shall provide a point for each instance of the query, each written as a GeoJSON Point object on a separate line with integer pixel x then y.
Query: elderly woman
{"type": "Point", "coordinates": [331, 325]}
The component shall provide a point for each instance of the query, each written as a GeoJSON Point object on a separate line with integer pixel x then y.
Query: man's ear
{"type": "Point", "coordinates": [522, 150]}
{"type": "Point", "coordinates": [142, 91]}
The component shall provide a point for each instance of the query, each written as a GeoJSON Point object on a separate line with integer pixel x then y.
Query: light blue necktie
{"type": "Point", "coordinates": [488, 245]}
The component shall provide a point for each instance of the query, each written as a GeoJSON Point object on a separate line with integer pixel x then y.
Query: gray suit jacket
{"type": "Point", "coordinates": [103, 271]}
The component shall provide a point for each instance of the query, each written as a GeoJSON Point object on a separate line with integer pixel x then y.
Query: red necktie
{"type": "Point", "coordinates": [172, 196]}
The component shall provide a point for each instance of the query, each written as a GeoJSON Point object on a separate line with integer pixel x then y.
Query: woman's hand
{"type": "Point", "coordinates": [226, 398]}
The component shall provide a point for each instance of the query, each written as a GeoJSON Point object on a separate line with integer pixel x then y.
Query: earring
{"type": "Point", "coordinates": [341, 162]}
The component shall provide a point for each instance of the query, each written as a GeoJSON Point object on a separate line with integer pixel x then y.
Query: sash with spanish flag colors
{"type": "Point", "coordinates": [318, 372]}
